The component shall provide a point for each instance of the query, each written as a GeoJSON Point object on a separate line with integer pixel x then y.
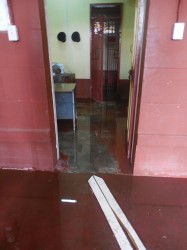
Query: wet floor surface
{"type": "Point", "coordinates": [32, 216]}
{"type": "Point", "coordinates": [98, 145]}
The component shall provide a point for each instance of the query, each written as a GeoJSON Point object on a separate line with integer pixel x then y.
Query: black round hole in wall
{"type": "Point", "coordinates": [76, 36]}
{"type": "Point", "coordinates": [61, 36]}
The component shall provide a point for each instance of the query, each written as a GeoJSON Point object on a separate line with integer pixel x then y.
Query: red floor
{"type": "Point", "coordinates": [32, 216]}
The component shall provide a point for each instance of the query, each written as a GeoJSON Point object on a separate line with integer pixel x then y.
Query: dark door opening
{"type": "Point", "coordinates": [105, 37]}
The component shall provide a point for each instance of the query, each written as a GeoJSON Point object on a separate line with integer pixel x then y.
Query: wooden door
{"type": "Point", "coordinates": [132, 80]}
{"type": "Point", "coordinates": [97, 58]}
{"type": "Point", "coordinates": [135, 78]}
{"type": "Point", "coordinates": [111, 57]}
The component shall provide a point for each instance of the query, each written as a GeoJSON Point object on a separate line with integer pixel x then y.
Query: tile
{"type": "Point", "coordinates": [164, 86]}
{"type": "Point", "coordinates": [163, 119]}
{"type": "Point", "coordinates": [162, 52]}
{"type": "Point", "coordinates": [26, 14]}
{"type": "Point", "coordinates": [27, 52]}
{"type": "Point", "coordinates": [23, 83]}
{"type": "Point", "coordinates": [155, 9]}
{"type": "Point", "coordinates": [149, 140]}
{"type": "Point", "coordinates": [23, 156]}
{"type": "Point", "coordinates": [161, 161]}
{"type": "Point", "coordinates": [22, 114]}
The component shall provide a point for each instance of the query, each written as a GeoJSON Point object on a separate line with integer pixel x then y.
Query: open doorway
{"type": "Point", "coordinates": [99, 142]}
{"type": "Point", "coordinates": [105, 47]}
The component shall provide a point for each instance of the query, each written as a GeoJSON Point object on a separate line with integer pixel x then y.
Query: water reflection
{"type": "Point", "coordinates": [98, 145]}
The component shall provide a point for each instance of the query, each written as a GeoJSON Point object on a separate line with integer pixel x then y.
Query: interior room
{"type": "Point", "coordinates": [98, 64]}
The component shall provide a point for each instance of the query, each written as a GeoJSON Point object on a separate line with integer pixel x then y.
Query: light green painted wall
{"type": "Point", "coordinates": [74, 15]}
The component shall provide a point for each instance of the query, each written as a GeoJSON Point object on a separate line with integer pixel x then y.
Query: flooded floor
{"type": "Point", "coordinates": [32, 216]}
{"type": "Point", "coordinates": [98, 145]}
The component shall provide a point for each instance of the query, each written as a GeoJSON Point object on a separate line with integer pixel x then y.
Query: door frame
{"type": "Point", "coordinates": [103, 5]}
{"type": "Point", "coordinates": [94, 94]}
{"type": "Point", "coordinates": [138, 71]}
{"type": "Point", "coordinates": [49, 80]}
{"type": "Point", "coordinates": [138, 76]}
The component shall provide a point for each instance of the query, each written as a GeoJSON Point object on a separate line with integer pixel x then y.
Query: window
{"type": "Point", "coordinates": [109, 27]}
{"type": "Point", "coordinates": [4, 15]}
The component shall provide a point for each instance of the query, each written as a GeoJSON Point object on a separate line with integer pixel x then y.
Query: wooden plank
{"type": "Point", "coordinates": [114, 224]}
{"type": "Point", "coordinates": [119, 213]}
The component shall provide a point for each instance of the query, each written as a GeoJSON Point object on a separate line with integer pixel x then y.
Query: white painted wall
{"type": "Point", "coordinates": [74, 15]}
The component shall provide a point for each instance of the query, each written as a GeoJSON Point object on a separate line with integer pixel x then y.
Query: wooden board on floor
{"type": "Point", "coordinates": [113, 222]}
{"type": "Point", "coordinates": [102, 187]}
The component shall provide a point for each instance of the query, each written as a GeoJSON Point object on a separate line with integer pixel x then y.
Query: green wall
{"type": "Point", "coordinates": [74, 15]}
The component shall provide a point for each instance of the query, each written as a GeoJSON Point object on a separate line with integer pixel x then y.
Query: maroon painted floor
{"type": "Point", "coordinates": [98, 144]}
{"type": "Point", "coordinates": [32, 216]}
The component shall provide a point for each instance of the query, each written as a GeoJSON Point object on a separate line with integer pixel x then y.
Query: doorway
{"type": "Point", "coordinates": [105, 50]}
{"type": "Point", "coordinates": [90, 116]}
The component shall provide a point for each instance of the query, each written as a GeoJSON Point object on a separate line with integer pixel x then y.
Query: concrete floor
{"type": "Point", "coordinates": [98, 145]}
{"type": "Point", "coordinates": [32, 215]}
